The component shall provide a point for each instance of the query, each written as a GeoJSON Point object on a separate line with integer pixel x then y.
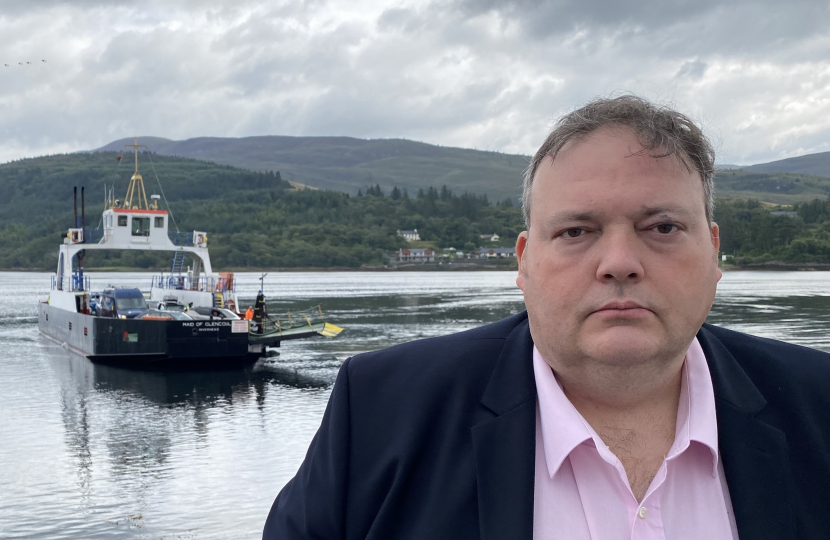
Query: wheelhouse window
{"type": "Point", "coordinates": [122, 221]}
{"type": "Point", "coordinates": [141, 226]}
{"type": "Point", "coordinates": [159, 222]}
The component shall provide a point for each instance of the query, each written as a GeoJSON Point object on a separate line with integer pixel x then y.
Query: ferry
{"type": "Point", "coordinates": [190, 318]}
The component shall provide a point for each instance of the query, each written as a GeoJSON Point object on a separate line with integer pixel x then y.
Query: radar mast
{"type": "Point", "coordinates": [136, 188]}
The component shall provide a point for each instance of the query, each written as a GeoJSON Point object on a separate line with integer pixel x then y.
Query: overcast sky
{"type": "Point", "coordinates": [486, 74]}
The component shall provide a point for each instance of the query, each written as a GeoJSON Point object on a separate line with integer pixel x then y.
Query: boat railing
{"type": "Point", "coordinates": [70, 283]}
{"type": "Point", "coordinates": [180, 238]}
{"type": "Point", "coordinates": [306, 317]}
{"type": "Point", "coordinates": [187, 283]}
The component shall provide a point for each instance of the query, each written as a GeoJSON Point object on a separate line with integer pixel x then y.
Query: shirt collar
{"type": "Point", "coordinates": [696, 418]}
{"type": "Point", "coordinates": [564, 428]}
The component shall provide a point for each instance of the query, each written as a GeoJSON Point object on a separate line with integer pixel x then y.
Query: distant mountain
{"type": "Point", "coordinates": [773, 187]}
{"type": "Point", "coordinates": [349, 164]}
{"type": "Point", "coordinates": [816, 164]}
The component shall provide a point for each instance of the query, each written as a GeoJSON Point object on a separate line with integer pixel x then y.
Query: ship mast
{"type": "Point", "coordinates": [136, 187]}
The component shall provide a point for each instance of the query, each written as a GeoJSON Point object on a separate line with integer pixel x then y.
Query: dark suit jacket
{"type": "Point", "coordinates": [434, 439]}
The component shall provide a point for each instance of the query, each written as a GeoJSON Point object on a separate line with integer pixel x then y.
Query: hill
{"type": "Point", "coordinates": [814, 164]}
{"type": "Point", "coordinates": [348, 164]}
{"type": "Point", "coordinates": [254, 219]}
{"type": "Point", "coordinates": [778, 188]}
{"type": "Point", "coordinates": [257, 220]}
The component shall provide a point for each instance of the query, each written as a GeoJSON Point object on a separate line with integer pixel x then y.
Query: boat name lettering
{"type": "Point", "coordinates": [206, 324]}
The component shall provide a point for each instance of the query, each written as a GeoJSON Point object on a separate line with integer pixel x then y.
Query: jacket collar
{"type": "Point", "coordinates": [503, 442]}
{"type": "Point", "coordinates": [512, 381]}
{"type": "Point", "coordinates": [754, 453]}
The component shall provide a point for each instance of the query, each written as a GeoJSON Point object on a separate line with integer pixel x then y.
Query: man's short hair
{"type": "Point", "coordinates": [658, 128]}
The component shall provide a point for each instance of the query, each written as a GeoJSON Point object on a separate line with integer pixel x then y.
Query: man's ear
{"type": "Point", "coordinates": [715, 233]}
{"type": "Point", "coordinates": [521, 253]}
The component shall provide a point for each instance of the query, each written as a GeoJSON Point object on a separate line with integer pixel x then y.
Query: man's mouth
{"type": "Point", "coordinates": [622, 308]}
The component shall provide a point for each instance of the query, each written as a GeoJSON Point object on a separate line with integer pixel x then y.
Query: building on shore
{"type": "Point", "coordinates": [414, 255]}
{"type": "Point", "coordinates": [500, 253]}
{"type": "Point", "coordinates": [409, 236]}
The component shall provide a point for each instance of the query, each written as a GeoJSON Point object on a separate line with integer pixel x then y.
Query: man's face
{"type": "Point", "coordinates": [619, 265]}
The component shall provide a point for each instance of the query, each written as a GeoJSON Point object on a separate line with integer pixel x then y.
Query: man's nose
{"type": "Point", "coordinates": [619, 256]}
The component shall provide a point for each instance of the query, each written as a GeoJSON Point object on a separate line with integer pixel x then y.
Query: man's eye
{"type": "Point", "coordinates": [573, 233]}
{"type": "Point", "coordinates": [666, 228]}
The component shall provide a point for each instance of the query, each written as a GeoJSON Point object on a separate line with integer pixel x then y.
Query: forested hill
{"type": "Point", "coordinates": [253, 219]}
{"type": "Point", "coordinates": [257, 220]}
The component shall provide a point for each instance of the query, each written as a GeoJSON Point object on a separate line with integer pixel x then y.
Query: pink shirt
{"type": "Point", "coordinates": [582, 491]}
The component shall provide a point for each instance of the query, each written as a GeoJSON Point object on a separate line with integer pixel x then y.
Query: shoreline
{"type": "Point", "coordinates": [768, 267]}
{"type": "Point", "coordinates": [780, 267]}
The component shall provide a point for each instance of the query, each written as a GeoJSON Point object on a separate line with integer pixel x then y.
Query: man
{"type": "Point", "coordinates": [249, 313]}
{"type": "Point", "coordinates": [260, 312]}
{"type": "Point", "coordinates": [609, 409]}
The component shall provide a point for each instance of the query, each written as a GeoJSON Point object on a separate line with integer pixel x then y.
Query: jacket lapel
{"type": "Point", "coordinates": [754, 453]}
{"type": "Point", "coordinates": [504, 443]}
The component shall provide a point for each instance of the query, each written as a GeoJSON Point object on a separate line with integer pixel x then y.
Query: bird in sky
{"type": "Point", "coordinates": [27, 63]}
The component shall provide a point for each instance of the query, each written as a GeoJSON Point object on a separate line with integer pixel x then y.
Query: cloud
{"type": "Point", "coordinates": [471, 73]}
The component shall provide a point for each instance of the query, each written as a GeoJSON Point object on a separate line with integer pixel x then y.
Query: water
{"type": "Point", "coordinates": [99, 452]}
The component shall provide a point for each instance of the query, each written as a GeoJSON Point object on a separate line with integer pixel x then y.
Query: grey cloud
{"type": "Point", "coordinates": [694, 69]}
{"type": "Point", "coordinates": [483, 74]}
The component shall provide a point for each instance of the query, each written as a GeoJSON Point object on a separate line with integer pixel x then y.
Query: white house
{"type": "Point", "coordinates": [415, 255]}
{"type": "Point", "coordinates": [410, 236]}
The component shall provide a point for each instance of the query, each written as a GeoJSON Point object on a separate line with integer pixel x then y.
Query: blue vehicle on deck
{"type": "Point", "coordinates": [122, 303]}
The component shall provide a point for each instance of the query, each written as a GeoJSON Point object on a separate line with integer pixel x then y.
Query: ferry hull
{"type": "Point", "coordinates": [157, 344]}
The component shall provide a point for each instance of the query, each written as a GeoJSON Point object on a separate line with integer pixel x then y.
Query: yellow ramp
{"type": "Point", "coordinates": [330, 330]}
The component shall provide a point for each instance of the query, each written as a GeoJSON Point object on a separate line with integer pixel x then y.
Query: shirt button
{"type": "Point", "coordinates": [643, 512]}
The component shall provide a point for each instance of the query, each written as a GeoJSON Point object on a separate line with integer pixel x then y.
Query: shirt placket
{"type": "Point", "coordinates": [646, 518]}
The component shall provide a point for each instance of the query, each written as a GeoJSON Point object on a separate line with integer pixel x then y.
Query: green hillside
{"type": "Point", "coordinates": [253, 219]}
{"type": "Point", "coordinates": [257, 220]}
{"type": "Point", "coordinates": [794, 236]}
{"type": "Point", "coordinates": [778, 188]}
{"type": "Point", "coordinates": [40, 190]}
